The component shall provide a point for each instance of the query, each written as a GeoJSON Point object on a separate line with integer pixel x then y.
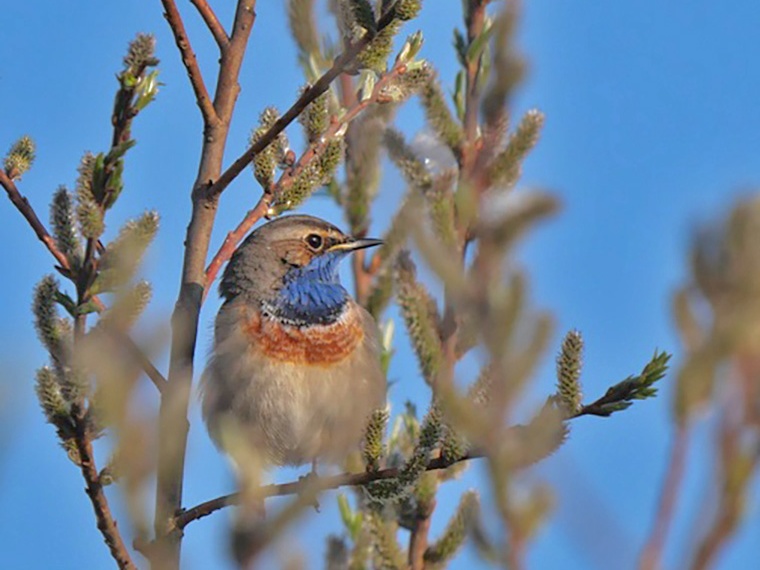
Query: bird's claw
{"type": "Point", "coordinates": [305, 481]}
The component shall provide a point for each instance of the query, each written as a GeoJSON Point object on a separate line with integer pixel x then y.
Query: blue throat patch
{"type": "Point", "coordinates": [312, 295]}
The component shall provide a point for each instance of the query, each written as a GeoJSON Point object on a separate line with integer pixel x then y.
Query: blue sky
{"type": "Point", "coordinates": [652, 126]}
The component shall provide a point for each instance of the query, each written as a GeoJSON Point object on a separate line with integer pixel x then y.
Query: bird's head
{"type": "Point", "coordinates": [290, 267]}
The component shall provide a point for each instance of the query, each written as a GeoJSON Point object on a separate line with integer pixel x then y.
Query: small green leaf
{"type": "Point", "coordinates": [475, 49]}
{"type": "Point", "coordinates": [640, 387]}
{"type": "Point", "coordinates": [66, 302]}
{"type": "Point", "coordinates": [460, 46]}
{"type": "Point", "coordinates": [460, 87]}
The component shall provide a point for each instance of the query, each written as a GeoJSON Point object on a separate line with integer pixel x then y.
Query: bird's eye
{"type": "Point", "coordinates": [314, 241]}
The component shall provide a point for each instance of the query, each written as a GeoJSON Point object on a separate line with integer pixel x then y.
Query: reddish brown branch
{"type": "Point", "coordinates": [418, 541]}
{"type": "Point", "coordinates": [189, 60]}
{"type": "Point", "coordinates": [173, 424]}
{"type": "Point", "coordinates": [212, 22]}
{"type": "Point", "coordinates": [654, 545]}
{"type": "Point", "coordinates": [739, 457]}
{"type": "Point", "coordinates": [185, 517]}
{"type": "Point", "coordinates": [730, 491]}
{"type": "Point", "coordinates": [320, 86]}
{"type": "Point", "coordinates": [23, 206]}
{"type": "Point", "coordinates": [233, 238]}
{"type": "Point", "coordinates": [320, 483]}
{"type": "Point", "coordinates": [475, 24]}
{"type": "Point", "coordinates": [136, 352]}
{"type": "Point", "coordinates": [94, 489]}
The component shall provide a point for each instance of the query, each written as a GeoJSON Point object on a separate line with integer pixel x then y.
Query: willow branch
{"type": "Point", "coordinates": [233, 238]}
{"type": "Point", "coordinates": [320, 483]}
{"type": "Point", "coordinates": [318, 88]}
{"type": "Point", "coordinates": [418, 541]}
{"type": "Point", "coordinates": [23, 206]}
{"type": "Point", "coordinates": [212, 22]}
{"type": "Point", "coordinates": [173, 423]}
{"type": "Point", "coordinates": [189, 60]}
{"type": "Point", "coordinates": [185, 517]}
{"type": "Point", "coordinates": [652, 552]}
{"type": "Point", "coordinates": [137, 353]}
{"type": "Point", "coordinates": [94, 489]}
{"type": "Point", "coordinates": [730, 500]}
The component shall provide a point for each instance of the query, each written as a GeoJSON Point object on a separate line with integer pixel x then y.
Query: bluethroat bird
{"type": "Point", "coordinates": [295, 369]}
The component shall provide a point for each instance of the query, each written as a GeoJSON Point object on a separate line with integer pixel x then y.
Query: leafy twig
{"type": "Point", "coordinates": [321, 483]}
{"type": "Point", "coordinates": [621, 395]}
{"type": "Point", "coordinates": [26, 209]}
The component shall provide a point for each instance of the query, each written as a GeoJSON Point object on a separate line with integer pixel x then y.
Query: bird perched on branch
{"type": "Point", "coordinates": [295, 369]}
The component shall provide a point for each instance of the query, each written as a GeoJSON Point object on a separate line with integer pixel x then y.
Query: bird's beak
{"type": "Point", "coordinates": [354, 244]}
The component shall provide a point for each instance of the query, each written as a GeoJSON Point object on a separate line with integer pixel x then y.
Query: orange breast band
{"type": "Point", "coordinates": [317, 345]}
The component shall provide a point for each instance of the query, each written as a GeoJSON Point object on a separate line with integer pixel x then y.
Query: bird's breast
{"type": "Point", "coordinates": [316, 345]}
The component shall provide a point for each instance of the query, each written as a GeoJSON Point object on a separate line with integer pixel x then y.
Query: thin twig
{"type": "Point", "coordinates": [94, 489]}
{"type": "Point", "coordinates": [321, 483]}
{"type": "Point", "coordinates": [233, 238]}
{"type": "Point", "coordinates": [652, 551]}
{"type": "Point", "coordinates": [137, 353]}
{"type": "Point", "coordinates": [214, 26]}
{"type": "Point", "coordinates": [173, 423]}
{"type": "Point", "coordinates": [190, 62]}
{"type": "Point", "coordinates": [729, 490]}
{"type": "Point", "coordinates": [739, 456]}
{"type": "Point", "coordinates": [318, 88]}
{"type": "Point", "coordinates": [418, 541]}
{"type": "Point", "coordinates": [23, 206]}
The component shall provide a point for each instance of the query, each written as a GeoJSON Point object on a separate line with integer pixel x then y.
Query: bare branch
{"type": "Point", "coordinates": [214, 26]}
{"type": "Point", "coordinates": [233, 238]}
{"type": "Point", "coordinates": [320, 483]}
{"type": "Point", "coordinates": [418, 541]}
{"type": "Point", "coordinates": [94, 489]}
{"type": "Point", "coordinates": [650, 556]}
{"type": "Point", "coordinates": [174, 18]}
{"type": "Point", "coordinates": [173, 424]}
{"type": "Point", "coordinates": [23, 206]}
{"type": "Point", "coordinates": [137, 353]}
